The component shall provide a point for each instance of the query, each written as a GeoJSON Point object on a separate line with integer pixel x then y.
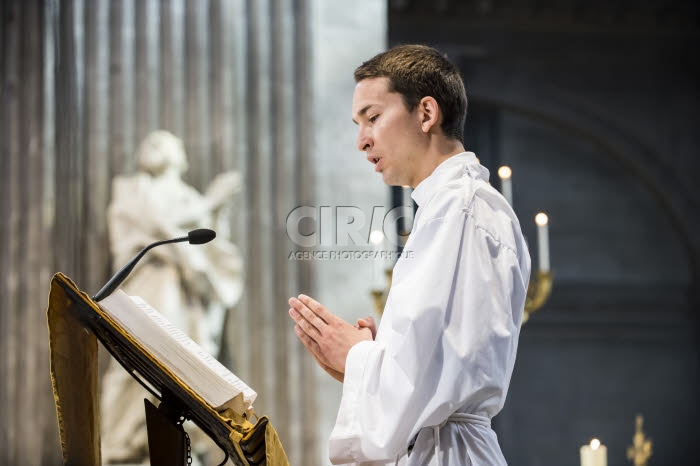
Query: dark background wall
{"type": "Point", "coordinates": [595, 106]}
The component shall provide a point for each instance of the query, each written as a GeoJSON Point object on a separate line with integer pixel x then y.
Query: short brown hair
{"type": "Point", "coordinates": [417, 71]}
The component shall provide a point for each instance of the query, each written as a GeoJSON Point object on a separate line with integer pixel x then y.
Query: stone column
{"type": "Point", "coordinates": [344, 35]}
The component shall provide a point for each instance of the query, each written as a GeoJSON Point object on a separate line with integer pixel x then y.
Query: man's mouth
{"type": "Point", "coordinates": [377, 163]}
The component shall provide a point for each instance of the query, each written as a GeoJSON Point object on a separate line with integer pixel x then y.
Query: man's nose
{"type": "Point", "coordinates": [364, 141]}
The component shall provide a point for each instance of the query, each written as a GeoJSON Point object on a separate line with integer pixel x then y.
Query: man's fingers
{"type": "Point", "coordinates": [307, 313]}
{"type": "Point", "coordinates": [308, 328]}
{"type": "Point", "coordinates": [317, 308]}
{"type": "Point", "coordinates": [308, 342]}
{"type": "Point", "coordinates": [305, 339]}
{"type": "Point", "coordinates": [366, 321]}
{"type": "Point", "coordinates": [312, 347]}
{"type": "Point", "coordinates": [369, 323]}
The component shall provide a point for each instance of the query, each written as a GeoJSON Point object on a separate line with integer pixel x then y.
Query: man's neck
{"type": "Point", "coordinates": [437, 153]}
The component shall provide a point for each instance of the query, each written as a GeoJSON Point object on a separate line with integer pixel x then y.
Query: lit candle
{"type": "Point", "coordinates": [543, 240]}
{"type": "Point", "coordinates": [594, 454]}
{"type": "Point", "coordinates": [377, 239]}
{"type": "Point", "coordinates": [505, 173]}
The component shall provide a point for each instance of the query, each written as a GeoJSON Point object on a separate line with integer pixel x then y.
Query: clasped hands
{"type": "Point", "coordinates": [328, 337]}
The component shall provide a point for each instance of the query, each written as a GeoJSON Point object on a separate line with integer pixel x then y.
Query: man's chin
{"type": "Point", "coordinates": [390, 180]}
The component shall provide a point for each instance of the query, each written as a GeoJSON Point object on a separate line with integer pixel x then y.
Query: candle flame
{"type": "Point", "coordinates": [595, 443]}
{"type": "Point", "coordinates": [505, 172]}
{"type": "Point", "coordinates": [541, 219]}
{"type": "Point", "coordinates": [376, 237]}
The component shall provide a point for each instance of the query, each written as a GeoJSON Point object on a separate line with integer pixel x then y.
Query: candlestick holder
{"type": "Point", "coordinates": [640, 450]}
{"type": "Point", "coordinates": [379, 295]}
{"type": "Point", "coordinates": [538, 291]}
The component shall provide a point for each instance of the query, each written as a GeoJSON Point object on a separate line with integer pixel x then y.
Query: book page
{"type": "Point", "coordinates": [190, 345]}
{"type": "Point", "coordinates": [210, 379]}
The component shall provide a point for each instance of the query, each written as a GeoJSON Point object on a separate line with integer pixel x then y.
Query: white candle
{"type": "Point", "coordinates": [377, 239]}
{"type": "Point", "coordinates": [505, 174]}
{"type": "Point", "coordinates": [543, 240]}
{"type": "Point", "coordinates": [594, 454]}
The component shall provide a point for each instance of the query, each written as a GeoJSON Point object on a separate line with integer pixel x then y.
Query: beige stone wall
{"type": "Point", "coordinates": [262, 87]}
{"type": "Point", "coordinates": [346, 34]}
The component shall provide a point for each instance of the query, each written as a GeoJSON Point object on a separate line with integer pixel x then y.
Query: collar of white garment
{"type": "Point", "coordinates": [450, 169]}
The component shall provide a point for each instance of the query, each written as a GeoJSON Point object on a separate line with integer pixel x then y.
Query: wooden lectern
{"type": "Point", "coordinates": [75, 325]}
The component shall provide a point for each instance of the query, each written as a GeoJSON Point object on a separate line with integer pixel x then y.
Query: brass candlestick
{"type": "Point", "coordinates": [640, 450]}
{"type": "Point", "coordinates": [538, 291]}
{"type": "Point", "coordinates": [379, 296]}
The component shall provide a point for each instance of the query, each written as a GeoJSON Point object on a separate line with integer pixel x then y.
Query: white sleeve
{"type": "Point", "coordinates": [447, 341]}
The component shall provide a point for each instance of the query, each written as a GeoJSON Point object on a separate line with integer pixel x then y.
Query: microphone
{"type": "Point", "coordinates": [198, 236]}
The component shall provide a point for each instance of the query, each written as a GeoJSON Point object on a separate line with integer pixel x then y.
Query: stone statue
{"type": "Point", "coordinates": [193, 286]}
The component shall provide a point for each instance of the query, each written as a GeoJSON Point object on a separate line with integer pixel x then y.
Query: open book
{"type": "Point", "coordinates": [203, 374]}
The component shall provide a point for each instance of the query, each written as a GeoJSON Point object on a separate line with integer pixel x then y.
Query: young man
{"type": "Point", "coordinates": [423, 387]}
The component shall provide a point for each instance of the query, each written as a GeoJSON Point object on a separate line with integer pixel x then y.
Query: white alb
{"type": "Point", "coordinates": [442, 360]}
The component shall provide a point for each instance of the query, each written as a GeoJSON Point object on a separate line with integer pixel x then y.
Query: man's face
{"type": "Point", "coordinates": [389, 134]}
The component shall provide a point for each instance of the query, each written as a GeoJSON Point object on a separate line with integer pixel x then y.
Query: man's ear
{"type": "Point", "coordinates": [430, 113]}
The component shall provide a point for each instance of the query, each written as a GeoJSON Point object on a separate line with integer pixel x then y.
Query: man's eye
{"type": "Point", "coordinates": [373, 118]}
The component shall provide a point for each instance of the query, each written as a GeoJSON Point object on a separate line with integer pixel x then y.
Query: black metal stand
{"type": "Point", "coordinates": [167, 440]}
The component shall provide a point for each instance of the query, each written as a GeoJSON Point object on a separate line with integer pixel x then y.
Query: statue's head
{"type": "Point", "coordinates": [162, 151]}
